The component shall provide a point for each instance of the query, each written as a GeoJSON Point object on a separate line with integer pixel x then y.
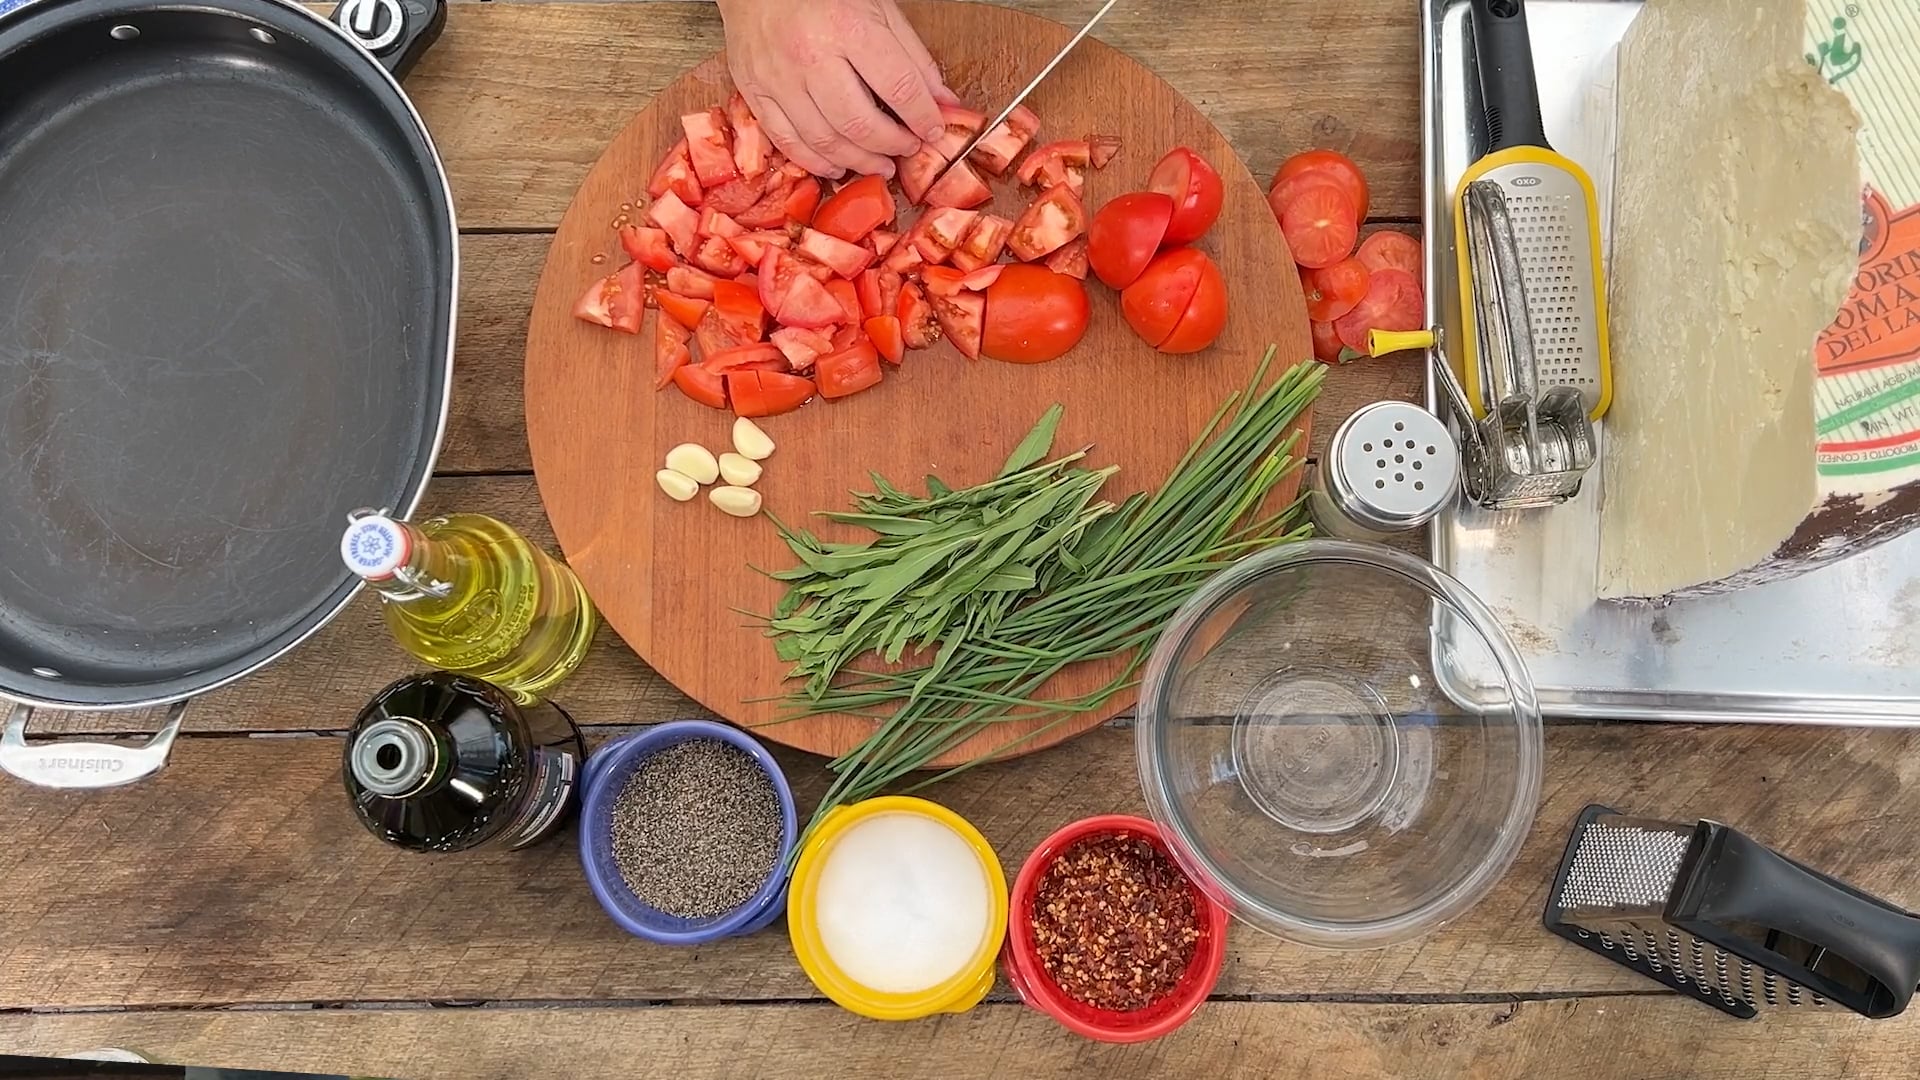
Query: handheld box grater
{"type": "Point", "coordinates": [1720, 917]}
{"type": "Point", "coordinates": [1554, 293]}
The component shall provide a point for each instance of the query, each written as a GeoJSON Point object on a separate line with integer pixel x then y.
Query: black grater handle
{"type": "Point", "coordinates": [1737, 880]}
{"type": "Point", "coordinates": [1503, 51]}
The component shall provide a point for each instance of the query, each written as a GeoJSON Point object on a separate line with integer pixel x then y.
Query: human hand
{"type": "Point", "coordinates": [806, 66]}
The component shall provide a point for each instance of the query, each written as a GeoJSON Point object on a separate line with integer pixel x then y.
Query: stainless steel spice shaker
{"type": "Point", "coordinates": [1391, 467]}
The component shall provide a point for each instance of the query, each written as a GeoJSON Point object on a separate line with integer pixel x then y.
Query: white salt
{"type": "Point", "coordinates": [902, 903]}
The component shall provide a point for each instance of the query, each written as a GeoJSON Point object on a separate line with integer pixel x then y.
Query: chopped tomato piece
{"type": "Point", "coordinates": [1005, 141]}
{"type": "Point", "coordinates": [962, 126]}
{"type": "Point", "coordinates": [803, 200]}
{"type": "Point", "coordinates": [848, 336]}
{"type": "Point", "coordinates": [848, 297]}
{"type": "Point", "coordinates": [751, 149]}
{"type": "Point", "coordinates": [856, 210]}
{"type": "Point", "coordinates": [816, 271]}
{"type": "Point", "coordinates": [701, 385]}
{"type": "Point", "coordinates": [984, 243]}
{"type": "Point", "coordinates": [846, 259]}
{"type": "Point", "coordinates": [943, 230]}
{"type": "Point", "coordinates": [962, 319]}
{"type": "Point", "coordinates": [675, 174]}
{"type": "Point", "coordinates": [801, 346]}
{"type": "Point", "coordinates": [868, 288]}
{"type": "Point", "coordinates": [741, 355]}
{"type": "Point", "coordinates": [961, 187]}
{"type": "Point", "coordinates": [882, 241]}
{"type": "Point", "coordinates": [690, 282]}
{"type": "Point", "coordinates": [943, 281]}
{"type": "Point", "coordinates": [737, 196]}
{"type": "Point", "coordinates": [807, 303]}
{"type": "Point", "coordinates": [617, 300]}
{"type": "Point", "coordinates": [750, 249]}
{"type": "Point", "coordinates": [717, 257]}
{"type": "Point", "coordinates": [714, 222]}
{"type": "Point", "coordinates": [741, 310]}
{"type": "Point", "coordinates": [681, 223]}
{"type": "Point", "coordinates": [905, 257]}
{"type": "Point", "coordinates": [918, 172]}
{"type": "Point", "coordinates": [685, 310]}
{"type": "Point", "coordinates": [766, 393]}
{"type": "Point", "coordinates": [890, 283]}
{"type": "Point", "coordinates": [848, 371]}
{"type": "Point", "coordinates": [884, 332]}
{"type": "Point", "coordinates": [775, 277]}
{"type": "Point", "coordinates": [916, 317]}
{"type": "Point", "coordinates": [670, 352]}
{"type": "Point", "coordinates": [714, 334]}
{"type": "Point", "coordinates": [1050, 164]}
{"type": "Point", "coordinates": [708, 146]}
{"type": "Point", "coordinates": [1070, 260]}
{"type": "Point", "coordinates": [1102, 148]}
{"type": "Point", "coordinates": [1055, 218]}
{"type": "Point", "coordinates": [770, 210]}
{"type": "Point", "coordinates": [648, 247]}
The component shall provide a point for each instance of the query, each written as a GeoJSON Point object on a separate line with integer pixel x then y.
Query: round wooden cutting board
{"type": "Point", "coordinates": [670, 577]}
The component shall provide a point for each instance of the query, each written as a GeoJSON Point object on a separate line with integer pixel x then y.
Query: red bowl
{"type": "Point", "coordinates": [1022, 964]}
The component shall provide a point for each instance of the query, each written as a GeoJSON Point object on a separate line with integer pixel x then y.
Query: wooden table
{"type": "Point", "coordinates": [232, 912]}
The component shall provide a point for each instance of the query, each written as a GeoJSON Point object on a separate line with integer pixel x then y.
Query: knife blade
{"type": "Point", "coordinates": [1037, 80]}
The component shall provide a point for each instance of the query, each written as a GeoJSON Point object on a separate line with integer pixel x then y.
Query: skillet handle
{"type": "Point", "coordinates": [396, 32]}
{"type": "Point", "coordinates": [84, 765]}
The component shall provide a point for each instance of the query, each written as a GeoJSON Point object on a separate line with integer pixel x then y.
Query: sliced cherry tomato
{"type": "Point", "coordinates": [718, 258]}
{"type": "Point", "coordinates": [690, 282]}
{"type": "Point", "coordinates": [801, 346]}
{"type": "Point", "coordinates": [675, 174]}
{"type": "Point", "coordinates": [962, 317]}
{"type": "Point", "coordinates": [1103, 148]}
{"type": "Point", "coordinates": [803, 200]}
{"type": "Point", "coordinates": [1157, 299]}
{"type": "Point", "coordinates": [751, 148]}
{"type": "Point", "coordinates": [884, 331]}
{"type": "Point", "coordinates": [757, 352]}
{"type": "Point", "coordinates": [1033, 315]}
{"type": "Point", "coordinates": [1389, 250]}
{"type": "Point", "coordinates": [1053, 220]}
{"type": "Point", "coordinates": [1005, 141]}
{"type": "Point", "coordinates": [918, 173]}
{"type": "Point", "coordinates": [1070, 260]}
{"type": "Point", "coordinates": [740, 309]}
{"type": "Point", "coordinates": [868, 288]}
{"type": "Point", "coordinates": [1334, 166]}
{"type": "Point", "coordinates": [766, 393]}
{"type": "Point", "coordinates": [1320, 224]}
{"type": "Point", "coordinates": [1206, 313]}
{"type": "Point", "coordinates": [670, 352]}
{"type": "Point", "coordinates": [942, 230]}
{"type": "Point", "coordinates": [1393, 302]}
{"type": "Point", "coordinates": [882, 241]}
{"type": "Point", "coordinates": [807, 303]}
{"type": "Point", "coordinates": [648, 247]}
{"type": "Point", "coordinates": [984, 243]}
{"type": "Point", "coordinates": [890, 283]}
{"type": "Point", "coordinates": [848, 371]}
{"type": "Point", "coordinates": [1195, 189]}
{"type": "Point", "coordinates": [681, 222]}
{"type": "Point", "coordinates": [856, 210]}
{"type": "Point", "coordinates": [961, 187]}
{"type": "Point", "coordinates": [618, 300]}
{"type": "Point", "coordinates": [917, 323]}
{"type": "Point", "coordinates": [846, 259]}
{"type": "Point", "coordinates": [1326, 343]}
{"type": "Point", "coordinates": [847, 295]}
{"type": "Point", "coordinates": [710, 148]}
{"type": "Point", "coordinates": [685, 310]}
{"type": "Point", "coordinates": [701, 385]}
{"type": "Point", "coordinates": [943, 281]}
{"type": "Point", "coordinates": [1124, 236]}
{"type": "Point", "coordinates": [1334, 290]}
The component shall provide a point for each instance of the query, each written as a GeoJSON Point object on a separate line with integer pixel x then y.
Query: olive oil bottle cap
{"type": "Point", "coordinates": [375, 546]}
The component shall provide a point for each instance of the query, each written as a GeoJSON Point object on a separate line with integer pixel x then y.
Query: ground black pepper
{"type": "Point", "coordinates": [697, 829]}
{"type": "Point", "coordinates": [1114, 923]}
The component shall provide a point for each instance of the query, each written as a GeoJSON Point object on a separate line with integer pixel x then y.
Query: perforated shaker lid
{"type": "Point", "coordinates": [1394, 463]}
{"type": "Point", "coordinates": [375, 546]}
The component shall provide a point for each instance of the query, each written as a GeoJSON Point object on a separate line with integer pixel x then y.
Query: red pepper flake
{"type": "Point", "coordinates": [1114, 923]}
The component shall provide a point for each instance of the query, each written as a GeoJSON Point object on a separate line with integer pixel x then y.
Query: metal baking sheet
{"type": "Point", "coordinates": [1840, 645]}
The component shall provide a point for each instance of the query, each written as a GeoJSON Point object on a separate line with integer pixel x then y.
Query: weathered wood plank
{"type": "Point", "coordinates": [238, 875]}
{"type": "Point", "coordinates": [1275, 78]}
{"type": "Point", "coordinates": [1584, 1039]}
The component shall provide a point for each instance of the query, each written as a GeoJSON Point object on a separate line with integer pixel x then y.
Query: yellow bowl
{"type": "Point", "coordinates": [959, 993]}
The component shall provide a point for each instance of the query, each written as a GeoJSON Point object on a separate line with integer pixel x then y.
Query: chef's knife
{"type": "Point", "coordinates": [1037, 80]}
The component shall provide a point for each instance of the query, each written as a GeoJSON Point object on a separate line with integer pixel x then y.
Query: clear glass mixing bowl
{"type": "Point", "coordinates": [1340, 742]}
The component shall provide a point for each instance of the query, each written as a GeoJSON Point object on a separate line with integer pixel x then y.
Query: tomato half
{"type": "Point", "coordinates": [765, 393]}
{"type": "Point", "coordinates": [1033, 315]}
{"type": "Point", "coordinates": [1125, 234]}
{"type": "Point", "coordinates": [1389, 250]}
{"type": "Point", "coordinates": [856, 210]}
{"type": "Point", "coordinates": [701, 385]}
{"type": "Point", "coordinates": [1334, 290]}
{"type": "Point", "coordinates": [1332, 165]}
{"type": "Point", "coordinates": [1393, 302]}
{"type": "Point", "coordinates": [1196, 191]}
{"type": "Point", "coordinates": [848, 371]}
{"type": "Point", "coordinates": [1157, 302]}
{"type": "Point", "coordinates": [1320, 225]}
{"type": "Point", "coordinates": [618, 301]}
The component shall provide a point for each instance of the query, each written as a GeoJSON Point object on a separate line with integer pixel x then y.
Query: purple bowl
{"type": "Point", "coordinates": [607, 770]}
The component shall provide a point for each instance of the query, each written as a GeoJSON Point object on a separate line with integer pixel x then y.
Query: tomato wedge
{"type": "Point", "coordinates": [1006, 140]}
{"type": "Point", "coordinates": [847, 295]}
{"type": "Point", "coordinates": [648, 247]}
{"type": "Point", "coordinates": [766, 393]}
{"type": "Point", "coordinates": [701, 385]}
{"type": "Point", "coordinates": [962, 319]}
{"type": "Point", "coordinates": [1159, 297]}
{"type": "Point", "coordinates": [751, 148]}
{"type": "Point", "coordinates": [1125, 234]}
{"type": "Point", "coordinates": [690, 282]}
{"type": "Point", "coordinates": [1055, 218]}
{"type": "Point", "coordinates": [1393, 302]}
{"type": "Point", "coordinates": [675, 174]}
{"type": "Point", "coordinates": [1033, 315]}
{"type": "Point", "coordinates": [917, 324]}
{"type": "Point", "coordinates": [1334, 290]}
{"type": "Point", "coordinates": [1320, 225]}
{"type": "Point", "coordinates": [846, 259]}
{"type": "Point", "coordinates": [681, 222]}
{"type": "Point", "coordinates": [1334, 166]}
{"type": "Point", "coordinates": [1389, 250]}
{"type": "Point", "coordinates": [961, 187]}
{"type": "Point", "coordinates": [1187, 179]}
{"type": "Point", "coordinates": [617, 301]}
{"type": "Point", "coordinates": [670, 352]}
{"type": "Point", "coordinates": [856, 210]}
{"type": "Point", "coordinates": [1070, 260]}
{"type": "Point", "coordinates": [801, 346]}
{"type": "Point", "coordinates": [685, 310]}
{"type": "Point", "coordinates": [740, 309]}
{"type": "Point", "coordinates": [708, 145]}
{"type": "Point", "coordinates": [849, 371]}
{"type": "Point", "coordinates": [888, 340]}
{"type": "Point", "coordinates": [808, 304]}
{"type": "Point", "coordinates": [984, 243]}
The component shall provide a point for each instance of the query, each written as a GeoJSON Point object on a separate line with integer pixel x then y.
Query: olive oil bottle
{"type": "Point", "coordinates": [467, 593]}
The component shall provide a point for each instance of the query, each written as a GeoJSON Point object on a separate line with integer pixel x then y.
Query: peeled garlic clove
{"type": "Point", "coordinates": [694, 462]}
{"type": "Point", "coordinates": [678, 486]}
{"type": "Point", "coordinates": [739, 471]}
{"type": "Point", "coordinates": [741, 502]}
{"type": "Point", "coordinates": [751, 441]}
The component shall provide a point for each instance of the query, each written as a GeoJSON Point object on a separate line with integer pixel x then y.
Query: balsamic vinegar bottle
{"type": "Point", "coordinates": [447, 762]}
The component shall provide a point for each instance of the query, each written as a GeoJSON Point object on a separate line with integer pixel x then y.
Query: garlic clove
{"type": "Point", "coordinates": [741, 502]}
{"type": "Point", "coordinates": [678, 486]}
{"type": "Point", "coordinates": [739, 471]}
{"type": "Point", "coordinates": [752, 443]}
{"type": "Point", "coordinates": [695, 462]}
